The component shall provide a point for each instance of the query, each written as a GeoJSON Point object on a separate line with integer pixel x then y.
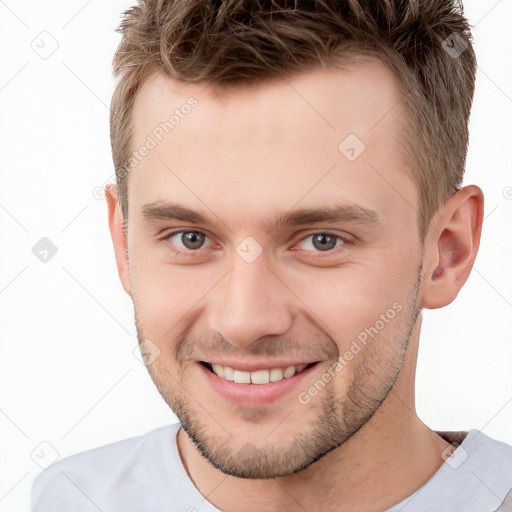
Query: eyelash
{"type": "Point", "coordinates": [344, 239]}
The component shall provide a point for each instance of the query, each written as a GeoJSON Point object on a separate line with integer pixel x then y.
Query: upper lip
{"type": "Point", "coordinates": [263, 365]}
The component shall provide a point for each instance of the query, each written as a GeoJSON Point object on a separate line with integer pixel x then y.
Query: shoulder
{"type": "Point", "coordinates": [476, 476]}
{"type": "Point", "coordinates": [489, 452]}
{"type": "Point", "coordinates": [478, 454]}
{"type": "Point", "coordinates": [487, 462]}
{"type": "Point", "coordinates": [85, 479]}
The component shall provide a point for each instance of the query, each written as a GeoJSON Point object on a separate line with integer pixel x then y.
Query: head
{"type": "Point", "coordinates": [289, 193]}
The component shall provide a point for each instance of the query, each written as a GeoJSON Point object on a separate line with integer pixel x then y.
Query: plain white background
{"type": "Point", "coordinates": [69, 378]}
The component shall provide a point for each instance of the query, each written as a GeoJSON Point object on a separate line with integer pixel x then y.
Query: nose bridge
{"type": "Point", "coordinates": [251, 303]}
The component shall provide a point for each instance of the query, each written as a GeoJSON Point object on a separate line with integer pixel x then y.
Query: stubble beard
{"type": "Point", "coordinates": [339, 416]}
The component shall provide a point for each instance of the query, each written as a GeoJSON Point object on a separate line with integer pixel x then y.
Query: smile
{"type": "Point", "coordinates": [259, 376]}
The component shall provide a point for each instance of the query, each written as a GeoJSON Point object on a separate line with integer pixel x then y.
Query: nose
{"type": "Point", "coordinates": [250, 303]}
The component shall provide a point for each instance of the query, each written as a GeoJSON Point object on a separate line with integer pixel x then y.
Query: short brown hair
{"type": "Point", "coordinates": [427, 45]}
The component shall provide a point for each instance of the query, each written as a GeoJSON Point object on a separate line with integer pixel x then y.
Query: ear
{"type": "Point", "coordinates": [118, 234]}
{"type": "Point", "coordinates": [451, 246]}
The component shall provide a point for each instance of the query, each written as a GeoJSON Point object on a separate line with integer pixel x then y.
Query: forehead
{"type": "Point", "coordinates": [357, 97]}
{"type": "Point", "coordinates": [286, 140]}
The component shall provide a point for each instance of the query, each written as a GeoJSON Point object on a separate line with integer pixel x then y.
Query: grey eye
{"type": "Point", "coordinates": [192, 239]}
{"type": "Point", "coordinates": [322, 242]}
{"type": "Point", "coordinates": [186, 239]}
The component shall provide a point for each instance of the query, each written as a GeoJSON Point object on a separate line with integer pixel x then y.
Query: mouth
{"type": "Point", "coordinates": [256, 384]}
{"type": "Point", "coordinates": [257, 376]}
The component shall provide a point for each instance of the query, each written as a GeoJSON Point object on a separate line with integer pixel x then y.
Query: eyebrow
{"type": "Point", "coordinates": [350, 213]}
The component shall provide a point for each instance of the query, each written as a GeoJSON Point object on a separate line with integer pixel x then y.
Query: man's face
{"type": "Point", "coordinates": [240, 290]}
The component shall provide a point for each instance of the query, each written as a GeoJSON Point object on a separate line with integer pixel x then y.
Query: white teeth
{"type": "Point", "coordinates": [228, 372]}
{"type": "Point", "coordinates": [218, 369]}
{"type": "Point", "coordinates": [242, 377]}
{"type": "Point", "coordinates": [289, 372]}
{"type": "Point", "coordinates": [276, 374]}
{"type": "Point", "coordinates": [258, 376]}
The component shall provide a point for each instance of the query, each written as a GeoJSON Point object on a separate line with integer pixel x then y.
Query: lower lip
{"type": "Point", "coordinates": [254, 394]}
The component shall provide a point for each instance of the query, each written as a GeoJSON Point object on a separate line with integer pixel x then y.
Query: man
{"type": "Point", "coordinates": [288, 200]}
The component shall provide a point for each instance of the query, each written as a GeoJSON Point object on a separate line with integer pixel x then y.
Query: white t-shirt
{"type": "Point", "coordinates": [145, 473]}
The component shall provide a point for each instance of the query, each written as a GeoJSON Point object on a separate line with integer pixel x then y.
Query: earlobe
{"type": "Point", "coordinates": [117, 232]}
{"type": "Point", "coordinates": [451, 247]}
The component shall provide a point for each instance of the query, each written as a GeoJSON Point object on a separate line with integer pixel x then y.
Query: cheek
{"type": "Point", "coordinates": [163, 290]}
{"type": "Point", "coordinates": [166, 297]}
{"type": "Point", "coordinates": [347, 302]}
